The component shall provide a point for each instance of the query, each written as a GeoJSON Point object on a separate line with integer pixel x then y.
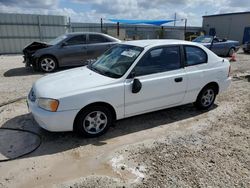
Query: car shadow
{"type": "Point", "coordinates": [27, 71]}
{"type": "Point", "coordinates": [53, 143]}
{"type": "Point", "coordinates": [21, 71]}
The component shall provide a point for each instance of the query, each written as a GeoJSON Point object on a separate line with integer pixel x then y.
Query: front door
{"type": "Point", "coordinates": [218, 47]}
{"type": "Point", "coordinates": [163, 81]}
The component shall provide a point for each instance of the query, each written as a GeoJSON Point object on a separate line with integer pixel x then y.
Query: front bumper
{"type": "Point", "coordinates": [52, 121]}
{"type": "Point", "coordinates": [29, 60]}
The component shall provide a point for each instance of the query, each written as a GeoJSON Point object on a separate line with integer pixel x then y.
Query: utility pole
{"type": "Point", "coordinates": [69, 26]}
{"type": "Point", "coordinates": [174, 19]}
{"type": "Point", "coordinates": [118, 29]}
{"type": "Point", "coordinates": [101, 25]}
{"type": "Point", "coordinates": [185, 29]}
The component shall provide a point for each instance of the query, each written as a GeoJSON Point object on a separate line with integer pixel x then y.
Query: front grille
{"type": "Point", "coordinates": [32, 95]}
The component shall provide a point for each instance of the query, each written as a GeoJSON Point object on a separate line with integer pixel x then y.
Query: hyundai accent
{"type": "Point", "coordinates": [131, 78]}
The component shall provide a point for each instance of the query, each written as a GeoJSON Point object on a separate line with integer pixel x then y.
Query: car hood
{"type": "Point", "coordinates": [34, 46]}
{"type": "Point", "coordinates": [70, 82]}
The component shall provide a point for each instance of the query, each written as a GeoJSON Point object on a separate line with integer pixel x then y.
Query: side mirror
{"type": "Point", "coordinates": [64, 44]}
{"type": "Point", "coordinates": [136, 86]}
{"type": "Point", "coordinates": [132, 74]}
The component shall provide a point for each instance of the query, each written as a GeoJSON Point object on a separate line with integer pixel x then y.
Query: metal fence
{"type": "Point", "coordinates": [18, 30]}
{"type": "Point", "coordinates": [128, 32]}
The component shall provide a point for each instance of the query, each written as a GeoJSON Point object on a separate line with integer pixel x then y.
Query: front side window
{"type": "Point", "coordinates": [116, 61]}
{"type": "Point", "coordinates": [159, 60]}
{"type": "Point", "coordinates": [97, 39]}
{"type": "Point", "coordinates": [195, 55]}
{"type": "Point", "coordinates": [57, 40]}
{"type": "Point", "coordinates": [77, 40]}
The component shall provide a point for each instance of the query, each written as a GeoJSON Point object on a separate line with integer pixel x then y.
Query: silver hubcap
{"type": "Point", "coordinates": [207, 97]}
{"type": "Point", "coordinates": [48, 64]}
{"type": "Point", "coordinates": [95, 122]}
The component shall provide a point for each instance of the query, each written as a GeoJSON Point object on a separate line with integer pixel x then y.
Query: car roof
{"type": "Point", "coordinates": [80, 33]}
{"type": "Point", "coordinates": [84, 32]}
{"type": "Point", "coordinates": [157, 42]}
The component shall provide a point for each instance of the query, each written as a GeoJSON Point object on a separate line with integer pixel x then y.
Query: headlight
{"type": "Point", "coordinates": [48, 104]}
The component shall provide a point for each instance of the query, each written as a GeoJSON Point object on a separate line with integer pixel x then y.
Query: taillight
{"type": "Point", "coordinates": [229, 71]}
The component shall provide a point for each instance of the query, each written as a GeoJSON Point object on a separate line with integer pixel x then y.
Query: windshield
{"type": "Point", "coordinates": [203, 39]}
{"type": "Point", "coordinates": [116, 61]}
{"type": "Point", "coordinates": [57, 40]}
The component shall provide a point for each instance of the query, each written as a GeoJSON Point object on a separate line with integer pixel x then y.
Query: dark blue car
{"type": "Point", "coordinates": [221, 47]}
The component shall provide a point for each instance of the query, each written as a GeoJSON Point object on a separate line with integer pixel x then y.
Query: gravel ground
{"type": "Point", "coordinates": [177, 147]}
{"type": "Point", "coordinates": [218, 156]}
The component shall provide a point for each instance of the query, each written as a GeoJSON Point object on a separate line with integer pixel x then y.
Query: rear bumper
{"type": "Point", "coordinates": [224, 85]}
{"type": "Point", "coordinates": [53, 121]}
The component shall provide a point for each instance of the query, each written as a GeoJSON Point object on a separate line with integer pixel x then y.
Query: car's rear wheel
{"type": "Point", "coordinates": [231, 52]}
{"type": "Point", "coordinates": [206, 98]}
{"type": "Point", "coordinates": [47, 64]}
{"type": "Point", "coordinates": [93, 121]}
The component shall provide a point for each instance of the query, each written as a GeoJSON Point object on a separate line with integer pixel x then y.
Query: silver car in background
{"type": "Point", "coordinates": [72, 49]}
{"type": "Point", "coordinates": [221, 47]}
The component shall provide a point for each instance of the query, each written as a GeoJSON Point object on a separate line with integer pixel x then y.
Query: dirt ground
{"type": "Point", "coordinates": [177, 147]}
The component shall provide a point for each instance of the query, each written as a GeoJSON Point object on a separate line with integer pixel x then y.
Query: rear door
{"type": "Point", "coordinates": [97, 45]}
{"type": "Point", "coordinates": [163, 81]}
{"type": "Point", "coordinates": [74, 51]}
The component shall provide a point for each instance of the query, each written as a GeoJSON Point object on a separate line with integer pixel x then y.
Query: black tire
{"type": "Point", "coordinates": [51, 61]}
{"type": "Point", "coordinates": [231, 52]}
{"type": "Point", "coordinates": [200, 103]}
{"type": "Point", "coordinates": [82, 124]}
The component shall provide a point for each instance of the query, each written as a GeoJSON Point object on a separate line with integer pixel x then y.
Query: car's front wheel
{"type": "Point", "coordinates": [206, 98]}
{"type": "Point", "coordinates": [47, 64]}
{"type": "Point", "coordinates": [93, 121]}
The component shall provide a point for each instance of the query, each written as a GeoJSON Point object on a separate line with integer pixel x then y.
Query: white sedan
{"type": "Point", "coordinates": [131, 78]}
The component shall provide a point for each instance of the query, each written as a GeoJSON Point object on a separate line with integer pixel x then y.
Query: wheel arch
{"type": "Point", "coordinates": [104, 104]}
{"type": "Point", "coordinates": [213, 84]}
{"type": "Point", "coordinates": [48, 55]}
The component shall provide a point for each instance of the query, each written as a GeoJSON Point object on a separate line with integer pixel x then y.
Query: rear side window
{"type": "Point", "coordinates": [76, 40]}
{"type": "Point", "coordinates": [159, 60]}
{"type": "Point", "coordinates": [97, 39]}
{"type": "Point", "coordinates": [195, 55]}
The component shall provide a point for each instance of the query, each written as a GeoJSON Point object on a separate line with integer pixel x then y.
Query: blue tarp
{"type": "Point", "coordinates": [151, 22]}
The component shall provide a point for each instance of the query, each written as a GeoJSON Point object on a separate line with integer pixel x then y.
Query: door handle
{"type": "Point", "coordinates": [178, 79]}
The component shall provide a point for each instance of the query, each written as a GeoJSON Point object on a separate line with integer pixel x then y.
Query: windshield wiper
{"type": "Point", "coordinates": [105, 73]}
{"type": "Point", "coordinates": [96, 70]}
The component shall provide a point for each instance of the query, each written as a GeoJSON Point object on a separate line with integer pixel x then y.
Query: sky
{"type": "Point", "coordinates": [93, 10]}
